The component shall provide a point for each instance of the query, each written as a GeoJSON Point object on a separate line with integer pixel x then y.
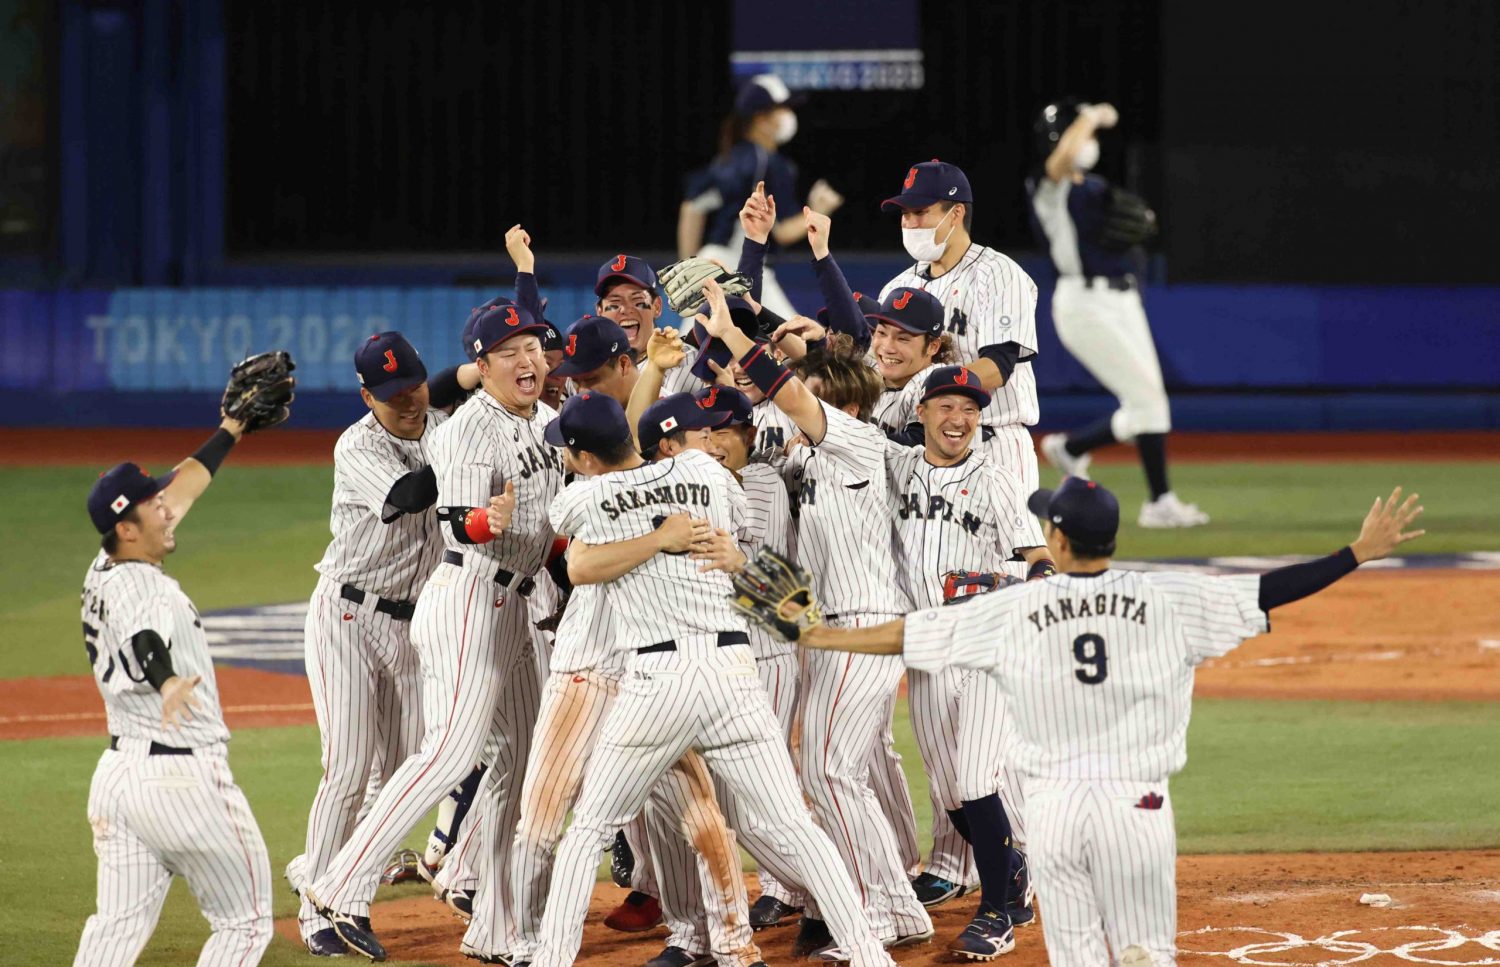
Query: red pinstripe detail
{"type": "Point", "coordinates": [843, 823]}
{"type": "Point", "coordinates": [786, 374]}
{"type": "Point", "coordinates": [463, 638]}
{"type": "Point", "coordinates": [249, 863]}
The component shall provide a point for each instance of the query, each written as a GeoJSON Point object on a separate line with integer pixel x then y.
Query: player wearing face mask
{"type": "Point", "coordinates": [1093, 231]}
{"type": "Point", "coordinates": [749, 152]}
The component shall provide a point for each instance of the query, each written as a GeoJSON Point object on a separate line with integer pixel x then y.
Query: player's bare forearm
{"type": "Point", "coordinates": [1059, 165]}
{"type": "Point", "coordinates": [989, 374]}
{"type": "Point", "coordinates": [194, 476]}
{"type": "Point", "coordinates": [690, 222]}
{"type": "Point", "coordinates": [883, 639]}
{"type": "Point", "coordinates": [647, 391]}
{"type": "Point", "coordinates": [789, 231]}
{"type": "Point", "coordinates": [598, 563]}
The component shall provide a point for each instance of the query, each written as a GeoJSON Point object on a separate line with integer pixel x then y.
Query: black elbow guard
{"type": "Point", "coordinates": [1005, 357]}
{"type": "Point", "coordinates": [152, 654]}
{"type": "Point", "coordinates": [410, 494]}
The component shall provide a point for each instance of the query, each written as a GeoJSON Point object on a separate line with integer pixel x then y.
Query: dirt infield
{"type": "Point", "coordinates": [1299, 908]}
{"type": "Point", "coordinates": [152, 448]}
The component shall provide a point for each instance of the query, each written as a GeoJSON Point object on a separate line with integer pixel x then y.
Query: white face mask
{"type": "Point", "coordinates": [1087, 156]}
{"type": "Point", "coordinates": [922, 244]}
{"type": "Point", "coordinates": [786, 127]}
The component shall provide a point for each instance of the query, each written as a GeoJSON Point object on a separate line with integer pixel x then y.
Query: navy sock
{"type": "Point", "coordinates": [465, 797]}
{"type": "Point", "coordinates": [1153, 448]}
{"type": "Point", "coordinates": [993, 852]}
{"type": "Point", "coordinates": [1096, 434]}
{"type": "Point", "coordinates": [960, 823]}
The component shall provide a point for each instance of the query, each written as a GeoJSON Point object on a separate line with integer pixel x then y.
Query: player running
{"type": "Point", "coordinates": [1098, 664]}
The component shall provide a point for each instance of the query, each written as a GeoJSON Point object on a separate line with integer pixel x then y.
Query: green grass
{"type": "Point", "coordinates": [1262, 776]}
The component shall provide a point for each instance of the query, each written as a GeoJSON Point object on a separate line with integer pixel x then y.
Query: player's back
{"type": "Point", "coordinates": [1101, 667]}
{"type": "Point", "coordinates": [120, 600]}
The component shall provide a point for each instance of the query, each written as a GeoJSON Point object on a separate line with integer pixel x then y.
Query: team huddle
{"type": "Point", "coordinates": [555, 587]}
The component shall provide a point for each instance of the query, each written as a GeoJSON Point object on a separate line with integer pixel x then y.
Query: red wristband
{"type": "Point", "coordinates": [477, 526]}
{"type": "Point", "coordinates": [559, 548]}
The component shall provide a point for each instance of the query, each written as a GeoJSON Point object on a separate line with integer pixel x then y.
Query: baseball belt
{"type": "Point", "coordinates": [400, 610]}
{"type": "Point", "coordinates": [504, 578]}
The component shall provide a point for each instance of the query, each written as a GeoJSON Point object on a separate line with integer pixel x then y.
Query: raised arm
{"type": "Point", "coordinates": [518, 247]}
{"type": "Point", "coordinates": [1384, 530]}
{"type": "Point", "coordinates": [1091, 117]}
{"type": "Point", "coordinates": [844, 314]}
{"type": "Point", "coordinates": [664, 351]}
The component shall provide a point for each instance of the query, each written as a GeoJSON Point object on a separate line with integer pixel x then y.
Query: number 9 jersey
{"type": "Point", "coordinates": [1099, 668]}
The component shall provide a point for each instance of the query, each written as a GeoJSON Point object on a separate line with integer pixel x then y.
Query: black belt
{"type": "Point", "coordinates": [400, 610]}
{"type": "Point", "coordinates": [156, 747]}
{"type": "Point", "coordinates": [726, 638]}
{"type": "Point", "coordinates": [1120, 283]}
{"type": "Point", "coordinates": [502, 576]}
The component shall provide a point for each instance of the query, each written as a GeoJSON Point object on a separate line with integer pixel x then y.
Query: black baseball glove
{"type": "Point", "coordinates": [1128, 222]}
{"type": "Point", "coordinates": [777, 595]}
{"type": "Point", "coordinates": [259, 393]}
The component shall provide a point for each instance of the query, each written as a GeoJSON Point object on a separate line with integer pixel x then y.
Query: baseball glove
{"type": "Point", "coordinates": [960, 586]}
{"type": "Point", "coordinates": [683, 283]}
{"type": "Point", "coordinates": [1128, 222]}
{"type": "Point", "coordinates": [259, 393]}
{"type": "Point", "coordinates": [777, 595]}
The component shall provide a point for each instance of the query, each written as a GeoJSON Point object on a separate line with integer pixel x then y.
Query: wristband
{"type": "Point", "coordinates": [214, 450]}
{"type": "Point", "coordinates": [477, 526]}
{"type": "Point", "coordinates": [559, 548]}
{"type": "Point", "coordinates": [1041, 569]}
{"type": "Point", "coordinates": [765, 372]}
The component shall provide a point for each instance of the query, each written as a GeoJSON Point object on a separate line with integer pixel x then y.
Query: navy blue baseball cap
{"type": "Point", "coordinates": [1081, 509]}
{"type": "Point", "coordinates": [762, 93]}
{"type": "Point", "coordinates": [466, 339]}
{"type": "Point", "coordinates": [680, 411]}
{"type": "Point", "coordinates": [388, 365]}
{"type": "Point", "coordinates": [913, 310]}
{"type": "Point", "coordinates": [709, 348]}
{"type": "Point", "coordinates": [625, 268]}
{"type": "Point", "coordinates": [955, 379]}
{"type": "Point", "coordinates": [120, 488]}
{"type": "Point", "coordinates": [728, 405]}
{"type": "Point", "coordinates": [929, 182]}
{"type": "Point", "coordinates": [590, 343]}
{"type": "Point", "coordinates": [867, 305]}
{"type": "Point", "coordinates": [552, 338]}
{"type": "Point", "coordinates": [588, 421]}
{"type": "Point", "coordinates": [499, 323]}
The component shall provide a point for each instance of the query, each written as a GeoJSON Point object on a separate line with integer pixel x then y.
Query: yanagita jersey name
{"type": "Point", "coordinates": [1096, 606]}
{"type": "Point", "coordinates": [936, 507]}
{"type": "Point", "coordinates": [690, 494]}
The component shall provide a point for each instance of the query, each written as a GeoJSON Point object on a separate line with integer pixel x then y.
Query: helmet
{"type": "Point", "coordinates": [1053, 121]}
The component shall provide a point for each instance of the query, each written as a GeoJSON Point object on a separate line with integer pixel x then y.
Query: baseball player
{"type": "Point", "coordinates": [1093, 232]}
{"type": "Point", "coordinates": [361, 667]}
{"type": "Point", "coordinates": [989, 308]}
{"type": "Point", "coordinates": [690, 683]}
{"type": "Point", "coordinates": [163, 801]}
{"type": "Point", "coordinates": [838, 484]}
{"type": "Point", "coordinates": [470, 629]}
{"type": "Point", "coordinates": [1098, 665]}
{"type": "Point", "coordinates": [749, 154]}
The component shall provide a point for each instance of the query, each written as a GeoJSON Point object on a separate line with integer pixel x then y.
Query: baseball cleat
{"type": "Point", "coordinates": [986, 937]}
{"type": "Point", "coordinates": [407, 866]}
{"type": "Point", "coordinates": [1136, 956]}
{"type": "Point", "coordinates": [638, 913]}
{"type": "Point", "coordinates": [767, 911]}
{"type": "Point", "coordinates": [621, 862]}
{"type": "Point", "coordinates": [909, 939]}
{"type": "Point", "coordinates": [326, 943]}
{"type": "Point", "coordinates": [296, 874]}
{"type": "Point", "coordinates": [812, 936]}
{"type": "Point", "coordinates": [460, 902]}
{"type": "Point", "coordinates": [1167, 511]}
{"type": "Point", "coordinates": [1054, 448]}
{"type": "Point", "coordinates": [677, 957]}
{"type": "Point", "coordinates": [1018, 905]}
{"type": "Point", "coordinates": [482, 958]}
{"type": "Point", "coordinates": [932, 890]}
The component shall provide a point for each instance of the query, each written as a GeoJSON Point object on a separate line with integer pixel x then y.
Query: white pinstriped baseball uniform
{"type": "Point", "coordinates": [896, 408]}
{"type": "Point", "coordinates": [352, 646]}
{"type": "Point", "coordinates": [840, 492]}
{"type": "Point", "coordinates": [1099, 669]}
{"type": "Point", "coordinates": [156, 815]}
{"type": "Point", "coordinates": [479, 674]}
{"type": "Point", "coordinates": [989, 300]}
{"type": "Point", "coordinates": [693, 688]}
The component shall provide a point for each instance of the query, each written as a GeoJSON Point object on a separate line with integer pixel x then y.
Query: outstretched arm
{"type": "Point", "coordinates": [883, 639]}
{"type": "Point", "coordinates": [196, 472]}
{"type": "Point", "coordinates": [1384, 530]}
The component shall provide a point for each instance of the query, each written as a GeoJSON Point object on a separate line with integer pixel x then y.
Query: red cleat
{"type": "Point", "coordinates": [639, 912]}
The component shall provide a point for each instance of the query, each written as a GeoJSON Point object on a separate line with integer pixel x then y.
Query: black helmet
{"type": "Point", "coordinates": [1052, 122]}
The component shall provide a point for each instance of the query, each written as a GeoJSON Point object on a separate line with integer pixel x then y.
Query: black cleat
{"type": "Point", "coordinates": [767, 911]}
{"type": "Point", "coordinates": [327, 943]}
{"type": "Point", "coordinates": [812, 936]}
{"type": "Point", "coordinates": [621, 862]}
{"type": "Point", "coordinates": [932, 890]}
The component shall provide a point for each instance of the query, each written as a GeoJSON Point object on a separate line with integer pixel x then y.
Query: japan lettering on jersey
{"type": "Point", "coordinates": [375, 547]}
{"type": "Point", "coordinates": [1099, 667]}
{"type": "Point", "coordinates": [988, 300]}
{"type": "Point", "coordinates": [959, 518]}
{"type": "Point", "coordinates": [667, 596]}
{"type": "Point", "coordinates": [773, 430]}
{"type": "Point", "coordinates": [841, 499]}
{"type": "Point", "coordinates": [896, 408]}
{"type": "Point", "coordinates": [768, 523]}
{"type": "Point", "coordinates": [120, 600]}
{"type": "Point", "coordinates": [482, 446]}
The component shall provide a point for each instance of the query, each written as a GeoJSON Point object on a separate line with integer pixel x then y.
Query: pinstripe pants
{"type": "Point", "coordinates": [709, 698]}
{"type": "Point", "coordinates": [1105, 869]}
{"type": "Point", "coordinates": [154, 816]}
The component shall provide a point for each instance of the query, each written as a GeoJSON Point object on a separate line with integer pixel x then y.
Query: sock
{"type": "Point", "coordinates": [1097, 434]}
{"type": "Point", "coordinates": [1153, 447]}
{"type": "Point", "coordinates": [960, 823]}
{"type": "Point", "coordinates": [465, 798]}
{"type": "Point", "coordinates": [993, 853]}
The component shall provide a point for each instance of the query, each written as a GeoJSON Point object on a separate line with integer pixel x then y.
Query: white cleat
{"type": "Point", "coordinates": [1167, 511]}
{"type": "Point", "coordinates": [1134, 956]}
{"type": "Point", "coordinates": [1055, 450]}
{"type": "Point", "coordinates": [296, 873]}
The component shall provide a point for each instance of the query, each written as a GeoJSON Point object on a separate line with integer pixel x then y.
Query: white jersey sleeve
{"type": "Point", "coordinates": [969, 634]}
{"type": "Point", "coordinates": [367, 472]}
{"type": "Point", "coordinates": [857, 446]}
{"type": "Point", "coordinates": [1215, 614]}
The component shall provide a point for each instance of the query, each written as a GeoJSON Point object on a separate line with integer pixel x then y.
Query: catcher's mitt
{"type": "Point", "coordinates": [1128, 222]}
{"type": "Point", "coordinates": [777, 595]}
{"type": "Point", "coordinates": [259, 393]}
{"type": "Point", "coordinates": [683, 283]}
{"type": "Point", "coordinates": [960, 586]}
